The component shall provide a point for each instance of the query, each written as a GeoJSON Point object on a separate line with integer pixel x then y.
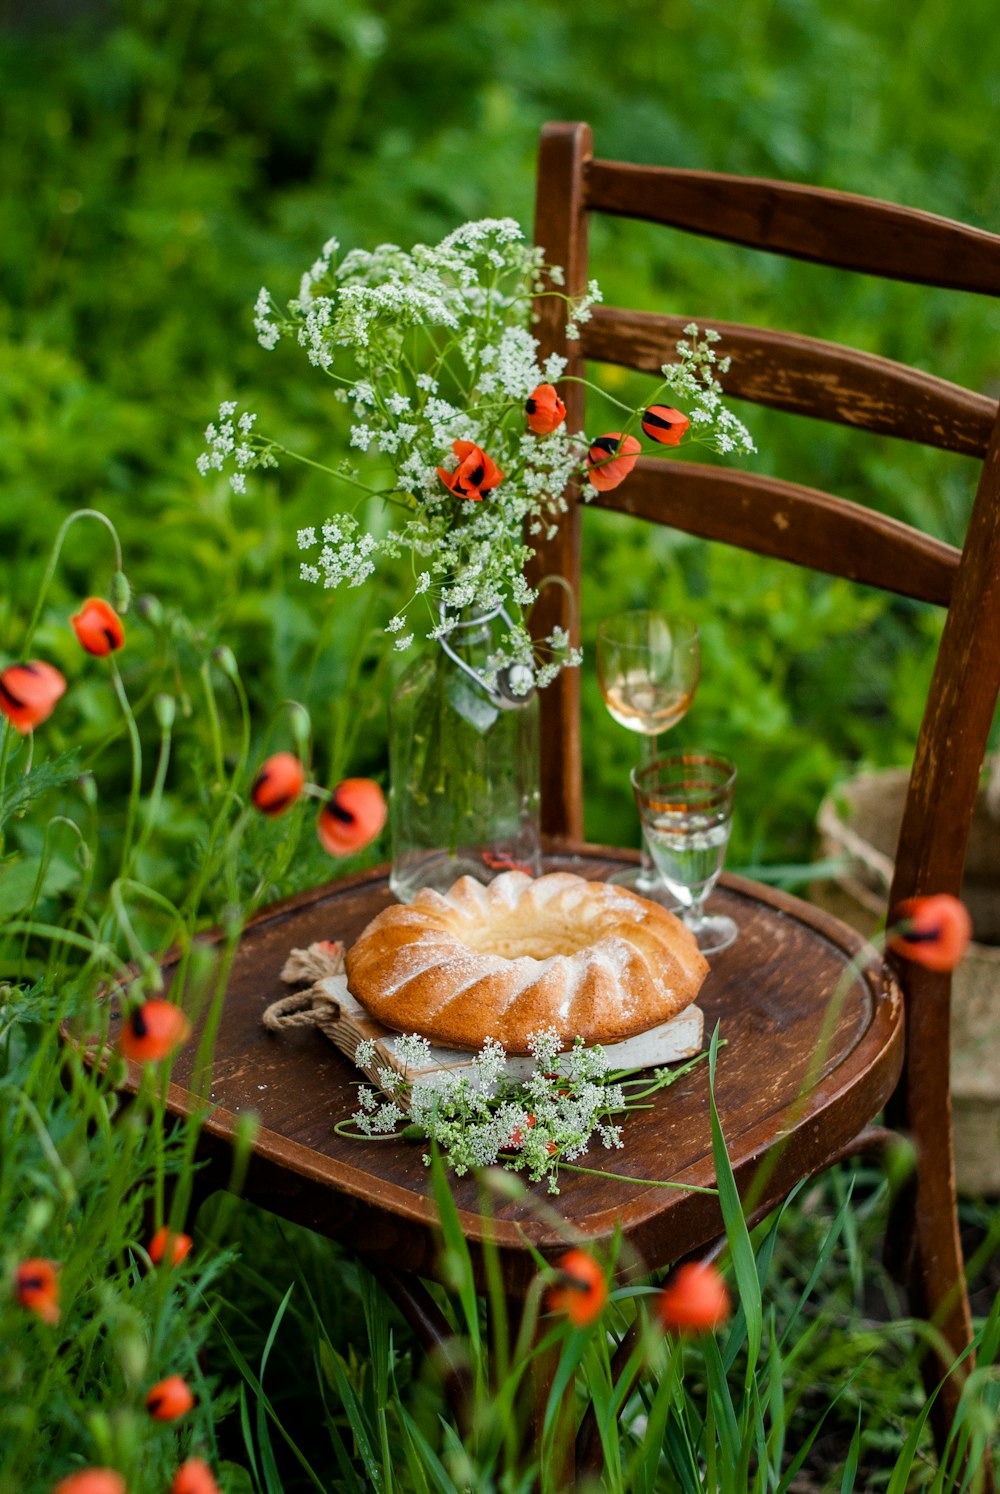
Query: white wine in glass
{"type": "Point", "coordinates": [686, 805]}
{"type": "Point", "coordinates": [648, 666]}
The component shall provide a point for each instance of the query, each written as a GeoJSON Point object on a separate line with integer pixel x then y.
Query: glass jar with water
{"type": "Point", "coordinates": [463, 763]}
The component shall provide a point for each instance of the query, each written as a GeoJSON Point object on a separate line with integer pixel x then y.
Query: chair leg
{"type": "Point", "coordinates": [926, 1214]}
{"type": "Point", "coordinates": [937, 1292]}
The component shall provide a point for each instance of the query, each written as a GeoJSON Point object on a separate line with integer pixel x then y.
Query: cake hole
{"type": "Point", "coordinates": [516, 939]}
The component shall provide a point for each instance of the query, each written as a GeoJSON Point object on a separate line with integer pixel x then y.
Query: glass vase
{"type": "Point", "coordinates": [463, 767]}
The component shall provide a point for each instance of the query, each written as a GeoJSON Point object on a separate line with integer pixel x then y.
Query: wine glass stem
{"type": "Point", "coordinates": [648, 755]}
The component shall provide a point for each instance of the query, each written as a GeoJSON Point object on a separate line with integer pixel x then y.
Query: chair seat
{"type": "Point", "coordinates": [768, 992]}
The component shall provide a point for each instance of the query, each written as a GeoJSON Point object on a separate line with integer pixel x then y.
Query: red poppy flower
{"type": "Point", "coordinates": [932, 931]}
{"type": "Point", "coordinates": [352, 817]}
{"type": "Point", "coordinates": [92, 1481]}
{"type": "Point", "coordinates": [611, 459]}
{"type": "Point", "coordinates": [517, 1135]}
{"type": "Point", "coordinates": [664, 424]}
{"type": "Point", "coordinates": [170, 1399]}
{"type": "Point", "coordinates": [194, 1477]}
{"type": "Point", "coordinates": [152, 1031]}
{"type": "Point", "coordinates": [98, 627]}
{"type": "Point", "coordinates": [476, 473]}
{"type": "Point", "coordinates": [36, 1287]}
{"type": "Point", "coordinates": [170, 1246]}
{"type": "Point", "coordinates": [580, 1291]}
{"type": "Point", "coordinates": [29, 692]}
{"type": "Point", "coordinates": [695, 1300]}
{"type": "Point", "coordinates": [278, 784]}
{"type": "Point", "coordinates": [545, 410]}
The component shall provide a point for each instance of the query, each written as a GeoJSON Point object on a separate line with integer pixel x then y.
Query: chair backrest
{"type": "Point", "coordinates": [779, 518]}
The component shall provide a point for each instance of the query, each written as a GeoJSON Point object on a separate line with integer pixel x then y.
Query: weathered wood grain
{"type": "Point", "coordinates": [788, 522]}
{"type": "Point", "coordinates": [813, 223]}
{"type": "Point", "coordinates": [806, 376]}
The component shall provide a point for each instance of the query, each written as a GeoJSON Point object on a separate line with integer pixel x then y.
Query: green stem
{"type": "Point", "coordinates": [213, 721]}
{"type": "Point", "coordinates": [155, 797]}
{"type": "Point", "coordinates": [135, 786]}
{"type": "Point", "coordinates": [50, 569]}
{"type": "Point", "coordinates": [354, 482]}
{"type": "Point", "coordinates": [621, 1177]}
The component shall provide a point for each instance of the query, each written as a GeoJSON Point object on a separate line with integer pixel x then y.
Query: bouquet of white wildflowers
{"type": "Point", "coordinates": [457, 426]}
{"type": "Point", "coordinates": [484, 1116]}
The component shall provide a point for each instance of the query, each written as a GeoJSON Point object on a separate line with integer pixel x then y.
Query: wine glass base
{"type": "Point", "coordinates": [639, 880]}
{"type": "Point", "coordinates": [714, 933]}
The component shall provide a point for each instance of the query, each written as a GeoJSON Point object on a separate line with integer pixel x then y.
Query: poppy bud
{"type": "Point", "coordinates": [300, 726]}
{"type": "Point", "coordinates": [545, 410]}
{"type": "Point", "coordinates": [98, 627]}
{"type": "Point", "coordinates": [476, 473]}
{"type": "Point", "coordinates": [29, 692]}
{"type": "Point", "coordinates": [92, 1481]}
{"type": "Point", "coordinates": [149, 607]}
{"type": "Point", "coordinates": [153, 1030]}
{"type": "Point", "coordinates": [352, 817]}
{"type": "Point", "coordinates": [170, 1399]}
{"type": "Point", "coordinates": [36, 1287]}
{"type": "Point", "coordinates": [663, 424]}
{"type": "Point", "coordinates": [695, 1300]}
{"type": "Point", "coordinates": [611, 459]}
{"type": "Point", "coordinates": [931, 931]}
{"type": "Point", "coordinates": [194, 1477]}
{"type": "Point", "coordinates": [170, 1246]}
{"type": "Point", "coordinates": [580, 1291]}
{"type": "Point", "coordinates": [278, 784]}
{"type": "Point", "coordinates": [165, 707]}
{"type": "Point", "coordinates": [121, 592]}
{"type": "Point", "coordinates": [226, 660]}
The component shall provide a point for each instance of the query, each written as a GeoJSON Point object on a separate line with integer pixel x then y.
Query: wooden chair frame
{"type": "Point", "coordinates": [828, 534]}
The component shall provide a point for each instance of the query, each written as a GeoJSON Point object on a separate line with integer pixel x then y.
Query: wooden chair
{"type": "Point", "coordinates": [777, 518]}
{"type": "Point", "coordinates": [771, 989]}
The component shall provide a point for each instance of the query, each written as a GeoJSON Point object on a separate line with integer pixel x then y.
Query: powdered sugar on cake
{"type": "Point", "coordinates": [506, 959]}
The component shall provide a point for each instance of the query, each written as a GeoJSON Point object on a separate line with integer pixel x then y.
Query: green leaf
{"type": "Point", "coordinates": [27, 788]}
{"type": "Point", "coordinates": [457, 1250]}
{"type": "Point", "coordinates": [853, 1454]}
{"type": "Point", "coordinates": [18, 880]}
{"type": "Point", "coordinates": [427, 1458]}
{"type": "Point", "coordinates": [258, 1389]}
{"type": "Point", "coordinates": [741, 1250]}
{"type": "Point", "coordinates": [333, 1364]}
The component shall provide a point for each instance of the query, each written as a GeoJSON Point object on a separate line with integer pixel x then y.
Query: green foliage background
{"type": "Point", "coordinates": [161, 159]}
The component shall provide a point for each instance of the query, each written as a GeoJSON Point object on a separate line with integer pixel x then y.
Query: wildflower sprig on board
{"type": "Point", "coordinates": [486, 1116]}
{"type": "Point", "coordinates": [457, 424]}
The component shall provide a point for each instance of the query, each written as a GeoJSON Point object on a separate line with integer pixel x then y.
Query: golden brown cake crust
{"type": "Point", "coordinates": [521, 954]}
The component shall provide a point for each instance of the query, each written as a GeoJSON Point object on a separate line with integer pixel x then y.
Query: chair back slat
{"type": "Point", "coordinates": [787, 522]}
{"type": "Point", "coordinates": [806, 376]}
{"type": "Point", "coordinates": [813, 223]}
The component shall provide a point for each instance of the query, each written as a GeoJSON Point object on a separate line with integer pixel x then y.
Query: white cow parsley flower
{"type": "Point", "coordinates": [433, 351]}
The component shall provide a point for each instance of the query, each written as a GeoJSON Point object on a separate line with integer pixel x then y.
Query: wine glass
{"type": "Point", "coordinates": [648, 666]}
{"type": "Point", "coordinates": [686, 806]}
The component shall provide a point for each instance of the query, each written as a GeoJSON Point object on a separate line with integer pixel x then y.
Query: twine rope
{"type": "Point", "coordinates": [313, 1006]}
